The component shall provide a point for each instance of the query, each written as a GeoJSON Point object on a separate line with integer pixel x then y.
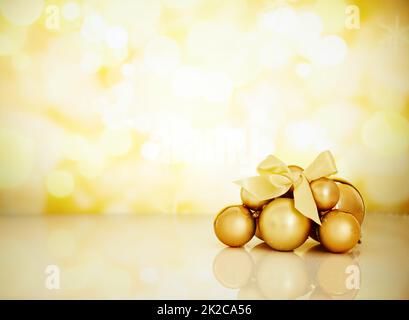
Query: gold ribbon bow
{"type": "Point", "coordinates": [275, 179]}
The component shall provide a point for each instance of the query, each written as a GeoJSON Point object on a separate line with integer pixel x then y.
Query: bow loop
{"type": "Point", "coordinates": [275, 179]}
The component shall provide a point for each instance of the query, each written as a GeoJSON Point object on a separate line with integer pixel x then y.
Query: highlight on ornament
{"type": "Point", "coordinates": [284, 205]}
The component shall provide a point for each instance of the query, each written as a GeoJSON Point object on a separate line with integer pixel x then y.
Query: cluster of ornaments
{"type": "Point", "coordinates": [339, 209]}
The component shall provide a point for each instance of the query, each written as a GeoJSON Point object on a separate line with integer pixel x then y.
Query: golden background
{"type": "Point", "coordinates": [157, 106]}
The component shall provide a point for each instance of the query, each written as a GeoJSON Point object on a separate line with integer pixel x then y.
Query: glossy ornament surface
{"type": "Point", "coordinates": [282, 226]}
{"type": "Point", "coordinates": [234, 226]}
{"type": "Point", "coordinates": [339, 231]}
{"type": "Point", "coordinates": [325, 192]}
{"type": "Point", "coordinates": [350, 200]}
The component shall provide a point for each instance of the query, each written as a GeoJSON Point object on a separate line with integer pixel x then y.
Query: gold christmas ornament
{"type": "Point", "coordinates": [284, 205]}
{"type": "Point", "coordinates": [339, 231]}
{"type": "Point", "coordinates": [234, 226]}
{"type": "Point", "coordinates": [250, 201]}
{"type": "Point", "coordinates": [350, 200]}
{"type": "Point", "coordinates": [282, 226]}
{"type": "Point", "coordinates": [325, 192]}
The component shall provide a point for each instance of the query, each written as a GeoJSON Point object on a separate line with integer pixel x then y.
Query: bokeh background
{"type": "Point", "coordinates": [137, 106]}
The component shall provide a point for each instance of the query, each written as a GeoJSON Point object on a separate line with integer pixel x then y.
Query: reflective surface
{"type": "Point", "coordinates": [179, 257]}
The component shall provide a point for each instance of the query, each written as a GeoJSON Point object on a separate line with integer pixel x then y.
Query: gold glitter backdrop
{"type": "Point", "coordinates": [156, 106]}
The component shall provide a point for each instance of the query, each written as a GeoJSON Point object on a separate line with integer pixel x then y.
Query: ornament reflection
{"type": "Point", "coordinates": [262, 273]}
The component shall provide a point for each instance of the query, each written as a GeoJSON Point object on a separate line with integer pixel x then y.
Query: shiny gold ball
{"type": "Point", "coordinates": [282, 226]}
{"type": "Point", "coordinates": [350, 201]}
{"type": "Point", "coordinates": [325, 192]}
{"type": "Point", "coordinates": [234, 226]}
{"type": "Point", "coordinates": [339, 231]}
{"type": "Point", "coordinates": [250, 201]}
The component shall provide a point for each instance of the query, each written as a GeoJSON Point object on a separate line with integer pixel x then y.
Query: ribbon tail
{"type": "Point", "coordinates": [304, 200]}
{"type": "Point", "coordinates": [262, 188]}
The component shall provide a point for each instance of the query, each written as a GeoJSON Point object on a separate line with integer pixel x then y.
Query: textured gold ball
{"type": "Point", "coordinates": [325, 192]}
{"type": "Point", "coordinates": [339, 231]}
{"type": "Point", "coordinates": [350, 201]}
{"type": "Point", "coordinates": [282, 226]}
{"type": "Point", "coordinates": [250, 201]}
{"type": "Point", "coordinates": [234, 226]}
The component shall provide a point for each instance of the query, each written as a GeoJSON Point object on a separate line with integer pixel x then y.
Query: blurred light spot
{"type": "Point", "coordinates": [304, 135]}
{"type": "Point", "coordinates": [128, 70]}
{"type": "Point", "coordinates": [61, 243]}
{"type": "Point", "coordinates": [213, 43]}
{"type": "Point", "coordinates": [71, 11]}
{"type": "Point", "coordinates": [75, 147]}
{"type": "Point", "coordinates": [303, 70]}
{"type": "Point", "coordinates": [218, 87]}
{"type": "Point", "coordinates": [330, 50]}
{"type": "Point", "coordinates": [60, 183]}
{"type": "Point", "coordinates": [149, 275]}
{"type": "Point", "coordinates": [150, 151]}
{"type": "Point", "coordinates": [162, 55]}
{"type": "Point", "coordinates": [12, 39]}
{"type": "Point", "coordinates": [275, 54]}
{"type": "Point", "coordinates": [282, 20]}
{"type": "Point", "coordinates": [180, 4]}
{"type": "Point", "coordinates": [193, 83]}
{"type": "Point", "coordinates": [310, 24]}
{"type": "Point", "coordinates": [83, 200]}
{"type": "Point", "coordinates": [21, 61]}
{"type": "Point", "coordinates": [21, 12]}
{"type": "Point", "coordinates": [116, 142]}
{"type": "Point", "coordinates": [386, 133]}
{"type": "Point", "coordinates": [116, 37]}
{"type": "Point", "coordinates": [91, 62]}
{"type": "Point", "coordinates": [348, 117]}
{"type": "Point", "coordinates": [93, 28]}
{"type": "Point", "coordinates": [389, 189]}
{"type": "Point", "coordinates": [92, 164]}
{"type": "Point", "coordinates": [187, 82]}
{"type": "Point", "coordinates": [16, 158]}
{"type": "Point", "coordinates": [332, 13]}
